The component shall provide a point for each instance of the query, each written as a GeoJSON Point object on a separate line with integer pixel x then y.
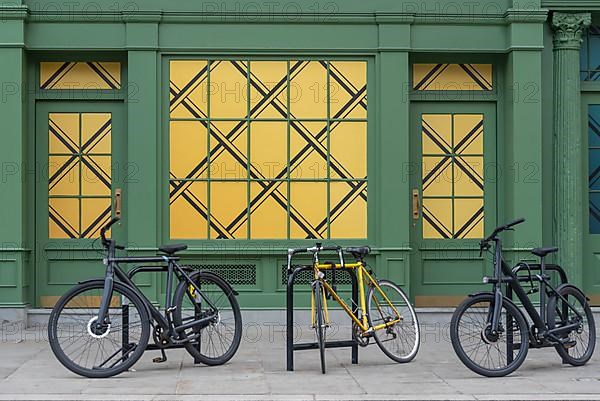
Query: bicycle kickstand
{"type": "Point", "coordinates": [161, 359]}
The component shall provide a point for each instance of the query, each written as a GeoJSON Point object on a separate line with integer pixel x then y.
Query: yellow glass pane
{"type": "Point", "coordinates": [308, 210]}
{"type": "Point", "coordinates": [468, 133]}
{"type": "Point", "coordinates": [63, 219]}
{"type": "Point", "coordinates": [63, 132]}
{"type": "Point", "coordinates": [228, 210]}
{"type": "Point", "coordinates": [348, 149]}
{"type": "Point", "coordinates": [80, 75]}
{"type": "Point", "coordinates": [187, 149]}
{"type": "Point", "coordinates": [188, 88]}
{"type": "Point", "coordinates": [63, 175]}
{"type": "Point", "coordinates": [348, 89]}
{"type": "Point", "coordinates": [436, 133]}
{"type": "Point", "coordinates": [437, 218]}
{"type": "Point", "coordinates": [188, 210]}
{"type": "Point", "coordinates": [437, 176]}
{"type": "Point", "coordinates": [228, 90]}
{"type": "Point", "coordinates": [468, 176]}
{"type": "Point", "coordinates": [268, 92]}
{"type": "Point", "coordinates": [348, 213]}
{"type": "Point", "coordinates": [268, 210]}
{"type": "Point", "coordinates": [308, 89]}
{"type": "Point", "coordinates": [95, 213]}
{"type": "Point", "coordinates": [96, 175]}
{"type": "Point", "coordinates": [96, 132]}
{"type": "Point", "coordinates": [476, 77]}
{"type": "Point", "coordinates": [228, 150]}
{"type": "Point", "coordinates": [268, 149]}
{"type": "Point", "coordinates": [468, 218]}
{"type": "Point", "coordinates": [308, 150]}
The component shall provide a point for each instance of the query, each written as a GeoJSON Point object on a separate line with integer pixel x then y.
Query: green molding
{"type": "Point", "coordinates": [14, 12]}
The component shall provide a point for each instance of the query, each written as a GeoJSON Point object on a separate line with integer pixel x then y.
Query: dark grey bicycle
{"type": "Point", "coordinates": [101, 327]}
{"type": "Point", "coordinates": [490, 334]}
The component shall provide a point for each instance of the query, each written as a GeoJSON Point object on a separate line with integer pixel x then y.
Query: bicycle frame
{"type": "Point", "coordinates": [363, 277]}
{"type": "Point", "coordinates": [504, 274]}
{"type": "Point", "coordinates": [172, 268]}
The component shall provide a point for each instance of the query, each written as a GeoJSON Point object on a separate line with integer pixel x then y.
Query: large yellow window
{"type": "Point", "coordinates": [268, 149]}
{"type": "Point", "coordinates": [444, 77]}
{"type": "Point", "coordinates": [452, 175]}
{"type": "Point", "coordinates": [79, 174]}
{"type": "Point", "coordinates": [80, 75]}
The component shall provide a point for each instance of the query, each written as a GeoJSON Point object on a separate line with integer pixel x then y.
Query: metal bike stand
{"type": "Point", "coordinates": [290, 346]}
{"type": "Point", "coordinates": [125, 314]}
{"type": "Point", "coordinates": [510, 346]}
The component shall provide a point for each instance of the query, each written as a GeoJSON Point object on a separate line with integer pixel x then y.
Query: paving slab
{"type": "Point", "coordinates": [29, 371]}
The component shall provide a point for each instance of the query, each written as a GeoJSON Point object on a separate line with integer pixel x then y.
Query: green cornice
{"type": "Point", "coordinates": [13, 12]}
{"type": "Point", "coordinates": [571, 5]}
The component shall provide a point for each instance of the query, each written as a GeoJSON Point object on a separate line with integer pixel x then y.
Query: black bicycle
{"type": "Point", "coordinates": [101, 327]}
{"type": "Point", "coordinates": [490, 334]}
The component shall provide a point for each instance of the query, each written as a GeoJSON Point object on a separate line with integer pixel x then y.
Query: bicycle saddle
{"type": "Point", "coordinates": [541, 252]}
{"type": "Point", "coordinates": [171, 249]}
{"type": "Point", "coordinates": [359, 251]}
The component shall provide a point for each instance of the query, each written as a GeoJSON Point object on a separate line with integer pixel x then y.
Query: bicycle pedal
{"type": "Point", "coordinates": [569, 343]}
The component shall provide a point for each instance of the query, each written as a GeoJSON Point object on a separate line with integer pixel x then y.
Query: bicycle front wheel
{"type": "Point", "coordinates": [319, 320]}
{"type": "Point", "coordinates": [574, 309]}
{"type": "Point", "coordinates": [484, 352]}
{"type": "Point", "coordinates": [388, 305]}
{"type": "Point", "coordinates": [95, 352]}
{"type": "Point", "coordinates": [216, 341]}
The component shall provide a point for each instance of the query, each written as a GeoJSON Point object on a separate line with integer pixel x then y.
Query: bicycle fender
{"type": "Point", "coordinates": [480, 293]}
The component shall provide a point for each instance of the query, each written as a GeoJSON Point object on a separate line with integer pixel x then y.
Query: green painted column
{"type": "Point", "coordinates": [568, 151]}
{"type": "Point", "coordinates": [15, 277]}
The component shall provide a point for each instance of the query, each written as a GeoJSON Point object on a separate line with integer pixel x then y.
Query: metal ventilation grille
{"type": "Point", "coordinates": [342, 276]}
{"type": "Point", "coordinates": [233, 274]}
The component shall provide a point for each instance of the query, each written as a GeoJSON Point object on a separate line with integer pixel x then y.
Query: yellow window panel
{"type": "Point", "coordinates": [80, 75]}
{"type": "Point", "coordinates": [348, 209]}
{"type": "Point", "coordinates": [436, 132]}
{"type": "Point", "coordinates": [187, 149]}
{"type": "Point", "coordinates": [228, 150]}
{"type": "Point", "coordinates": [268, 210]}
{"type": "Point", "coordinates": [468, 176]}
{"type": "Point", "coordinates": [437, 175]}
{"type": "Point", "coordinates": [188, 88]}
{"type": "Point", "coordinates": [437, 218]}
{"type": "Point", "coordinates": [228, 89]}
{"type": "Point", "coordinates": [268, 89]}
{"type": "Point", "coordinates": [468, 218]}
{"type": "Point", "coordinates": [228, 210]}
{"type": "Point", "coordinates": [468, 133]}
{"type": "Point", "coordinates": [95, 175]}
{"type": "Point", "coordinates": [63, 175]}
{"type": "Point", "coordinates": [268, 149]}
{"type": "Point", "coordinates": [348, 149]}
{"type": "Point", "coordinates": [348, 89]}
{"type": "Point", "coordinates": [96, 132]}
{"type": "Point", "coordinates": [308, 210]}
{"type": "Point", "coordinates": [188, 210]}
{"type": "Point", "coordinates": [308, 150]}
{"type": "Point", "coordinates": [469, 77]}
{"type": "Point", "coordinates": [95, 213]}
{"type": "Point", "coordinates": [63, 132]}
{"type": "Point", "coordinates": [308, 89]}
{"type": "Point", "coordinates": [63, 218]}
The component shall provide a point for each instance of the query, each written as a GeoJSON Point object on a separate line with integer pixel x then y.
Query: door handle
{"type": "Point", "coordinates": [118, 202]}
{"type": "Point", "coordinates": [416, 207]}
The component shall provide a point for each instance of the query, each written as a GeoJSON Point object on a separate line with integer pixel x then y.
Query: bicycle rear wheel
{"type": "Point", "coordinates": [94, 352]}
{"type": "Point", "coordinates": [482, 351]}
{"type": "Point", "coordinates": [580, 342]}
{"type": "Point", "coordinates": [319, 321]}
{"type": "Point", "coordinates": [399, 341]}
{"type": "Point", "coordinates": [215, 342]}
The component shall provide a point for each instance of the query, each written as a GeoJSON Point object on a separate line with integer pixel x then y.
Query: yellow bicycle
{"type": "Point", "coordinates": [384, 311]}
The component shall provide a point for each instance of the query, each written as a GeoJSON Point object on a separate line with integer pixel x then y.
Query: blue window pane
{"type": "Point", "coordinates": [589, 61]}
{"type": "Point", "coordinates": [594, 213]}
{"type": "Point", "coordinates": [594, 57]}
{"type": "Point", "coordinates": [594, 169]}
{"type": "Point", "coordinates": [594, 125]}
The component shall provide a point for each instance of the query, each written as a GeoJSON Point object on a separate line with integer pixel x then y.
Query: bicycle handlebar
{"type": "Point", "coordinates": [104, 229]}
{"type": "Point", "coordinates": [484, 242]}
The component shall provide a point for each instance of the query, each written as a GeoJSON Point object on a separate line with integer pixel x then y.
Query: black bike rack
{"type": "Point", "coordinates": [290, 346]}
{"type": "Point", "coordinates": [125, 312]}
{"type": "Point", "coordinates": [509, 294]}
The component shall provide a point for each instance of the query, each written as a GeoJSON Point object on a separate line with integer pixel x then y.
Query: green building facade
{"type": "Point", "coordinates": [244, 128]}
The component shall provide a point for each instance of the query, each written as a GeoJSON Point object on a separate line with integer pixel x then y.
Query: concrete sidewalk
{"type": "Point", "coordinates": [29, 371]}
